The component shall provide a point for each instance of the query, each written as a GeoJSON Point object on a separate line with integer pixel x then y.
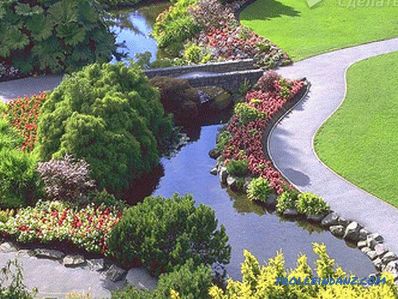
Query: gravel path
{"type": "Point", "coordinates": [290, 144]}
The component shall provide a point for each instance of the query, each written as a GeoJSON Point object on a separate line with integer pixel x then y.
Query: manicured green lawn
{"type": "Point", "coordinates": [304, 31]}
{"type": "Point", "coordinates": [360, 140]}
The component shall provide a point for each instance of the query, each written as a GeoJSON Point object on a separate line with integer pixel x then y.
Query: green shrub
{"type": "Point", "coordinates": [259, 190]}
{"type": "Point", "coordinates": [119, 3]}
{"type": "Point", "coordinates": [188, 280]}
{"type": "Point", "coordinates": [175, 26]}
{"type": "Point", "coordinates": [53, 35]}
{"type": "Point", "coordinates": [286, 200]}
{"type": "Point", "coordinates": [11, 282]}
{"type": "Point", "coordinates": [311, 204]}
{"type": "Point", "coordinates": [195, 54]}
{"type": "Point", "coordinates": [179, 98]}
{"type": "Point", "coordinates": [246, 113]}
{"type": "Point", "coordinates": [18, 178]}
{"type": "Point", "coordinates": [9, 136]}
{"type": "Point", "coordinates": [164, 233]}
{"type": "Point", "coordinates": [109, 116]}
{"type": "Point", "coordinates": [222, 139]}
{"type": "Point", "coordinates": [238, 168]}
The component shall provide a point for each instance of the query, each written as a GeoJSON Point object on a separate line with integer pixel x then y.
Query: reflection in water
{"type": "Point", "coordinates": [133, 28]}
{"type": "Point", "coordinates": [248, 226]}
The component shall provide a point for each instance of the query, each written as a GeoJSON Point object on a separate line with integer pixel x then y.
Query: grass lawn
{"type": "Point", "coordinates": [302, 31]}
{"type": "Point", "coordinates": [360, 140]}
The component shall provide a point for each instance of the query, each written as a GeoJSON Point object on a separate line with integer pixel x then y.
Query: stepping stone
{"type": "Point", "coordinates": [315, 218]}
{"type": "Point", "coordinates": [213, 171]}
{"type": "Point", "coordinates": [223, 174]}
{"type": "Point", "coordinates": [7, 247]}
{"type": "Point", "coordinates": [366, 250]}
{"type": "Point", "coordinates": [96, 264]}
{"type": "Point", "coordinates": [290, 213]}
{"type": "Point", "coordinates": [372, 254]}
{"type": "Point", "coordinates": [361, 244]}
{"type": "Point", "coordinates": [73, 261]}
{"type": "Point", "coordinates": [114, 273]}
{"type": "Point", "coordinates": [363, 234]}
{"type": "Point", "coordinates": [49, 254]}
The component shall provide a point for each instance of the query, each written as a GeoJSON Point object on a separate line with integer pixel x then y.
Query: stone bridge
{"type": "Point", "coordinates": [229, 75]}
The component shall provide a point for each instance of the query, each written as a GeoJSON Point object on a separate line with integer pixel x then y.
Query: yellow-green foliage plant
{"type": "Point", "coordinates": [258, 281]}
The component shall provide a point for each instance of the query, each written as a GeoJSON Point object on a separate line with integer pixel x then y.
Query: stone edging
{"type": "Point", "coordinates": [108, 269]}
{"type": "Point", "coordinates": [371, 244]}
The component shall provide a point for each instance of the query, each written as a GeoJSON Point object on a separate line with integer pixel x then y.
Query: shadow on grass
{"type": "Point", "coordinates": [268, 9]}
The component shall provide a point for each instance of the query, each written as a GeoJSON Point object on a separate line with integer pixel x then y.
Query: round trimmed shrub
{"type": "Point", "coordinates": [246, 113]}
{"type": "Point", "coordinates": [109, 116]}
{"type": "Point", "coordinates": [311, 204]}
{"type": "Point", "coordinates": [164, 233]}
{"type": "Point", "coordinates": [53, 35]}
{"type": "Point", "coordinates": [259, 190]}
{"type": "Point", "coordinates": [286, 200]}
{"type": "Point", "coordinates": [18, 178]}
{"type": "Point", "coordinates": [238, 168]}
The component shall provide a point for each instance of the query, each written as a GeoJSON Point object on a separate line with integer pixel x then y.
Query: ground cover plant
{"type": "Point", "coordinates": [110, 116]}
{"type": "Point", "coordinates": [304, 31]}
{"type": "Point", "coordinates": [52, 36]}
{"type": "Point", "coordinates": [368, 110]}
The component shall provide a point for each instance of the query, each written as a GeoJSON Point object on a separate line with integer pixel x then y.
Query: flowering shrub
{"type": "Point", "coordinates": [23, 114]}
{"type": "Point", "coordinates": [87, 228]}
{"type": "Point", "coordinates": [258, 189]}
{"type": "Point", "coordinates": [66, 179]}
{"type": "Point", "coordinates": [248, 137]}
{"type": "Point", "coordinates": [267, 81]}
{"type": "Point", "coordinates": [311, 204]}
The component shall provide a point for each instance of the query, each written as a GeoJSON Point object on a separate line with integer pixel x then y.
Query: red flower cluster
{"type": "Point", "coordinates": [23, 114]}
{"type": "Point", "coordinates": [247, 139]}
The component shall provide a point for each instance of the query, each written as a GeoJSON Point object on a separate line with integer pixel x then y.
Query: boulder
{"type": "Point", "coordinates": [315, 218]}
{"type": "Point", "coordinates": [223, 175]}
{"type": "Point", "coordinates": [213, 171]}
{"type": "Point", "coordinates": [377, 263]}
{"type": "Point", "coordinates": [392, 267]}
{"type": "Point", "coordinates": [330, 219]}
{"type": "Point", "coordinates": [361, 244]}
{"type": "Point", "coordinates": [373, 239]}
{"type": "Point", "coordinates": [380, 249]}
{"type": "Point", "coordinates": [365, 250]}
{"type": "Point", "coordinates": [49, 254]}
{"type": "Point", "coordinates": [363, 234]}
{"type": "Point", "coordinates": [389, 257]}
{"type": "Point", "coordinates": [352, 232]}
{"type": "Point", "coordinates": [337, 230]}
{"type": "Point", "coordinates": [214, 153]}
{"type": "Point", "coordinates": [96, 264]}
{"type": "Point", "coordinates": [231, 182]}
{"type": "Point", "coordinates": [372, 254]}
{"type": "Point", "coordinates": [7, 247]}
{"type": "Point", "coordinates": [290, 213]}
{"type": "Point", "coordinates": [73, 261]}
{"type": "Point", "coordinates": [115, 273]}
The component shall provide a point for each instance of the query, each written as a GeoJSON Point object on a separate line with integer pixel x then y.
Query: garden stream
{"type": "Point", "coordinates": [248, 225]}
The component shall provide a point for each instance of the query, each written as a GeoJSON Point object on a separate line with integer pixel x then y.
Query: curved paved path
{"type": "Point", "coordinates": [290, 144]}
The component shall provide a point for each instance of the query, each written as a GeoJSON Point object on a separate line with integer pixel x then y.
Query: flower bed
{"type": "Point", "coordinates": [87, 228]}
{"type": "Point", "coordinates": [23, 114]}
{"type": "Point", "coordinates": [246, 141]}
{"type": "Point", "coordinates": [214, 28]}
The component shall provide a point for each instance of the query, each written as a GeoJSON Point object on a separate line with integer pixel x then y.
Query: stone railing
{"type": "Point", "coordinates": [216, 67]}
